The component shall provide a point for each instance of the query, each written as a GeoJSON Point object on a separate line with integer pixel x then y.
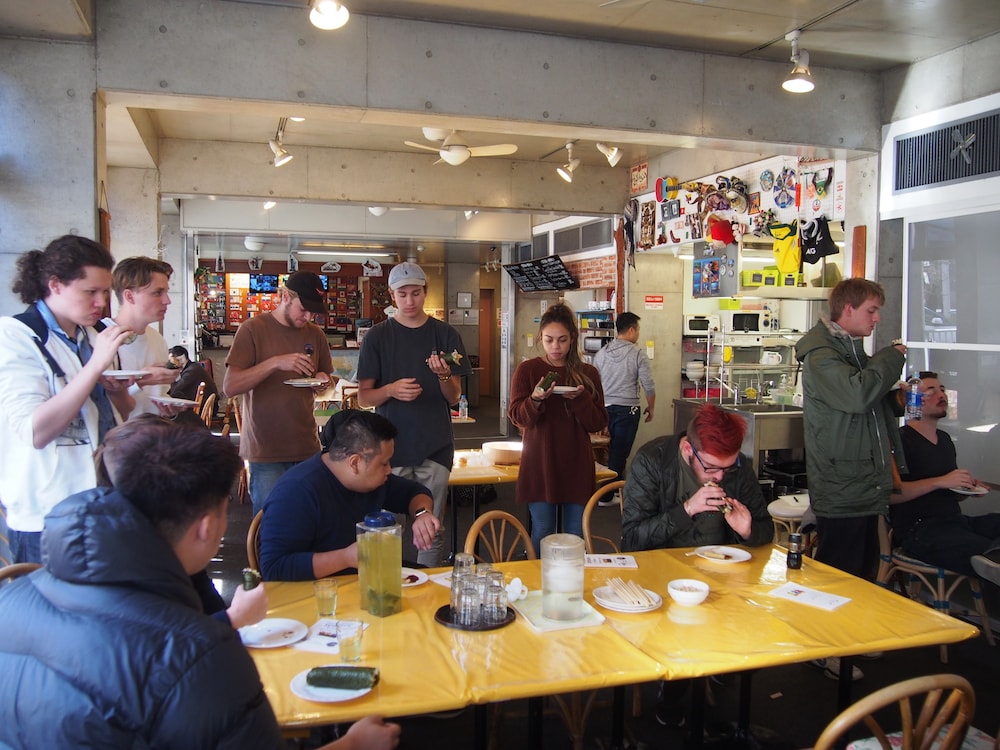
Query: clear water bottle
{"type": "Point", "coordinates": [914, 399]}
{"type": "Point", "coordinates": [463, 407]}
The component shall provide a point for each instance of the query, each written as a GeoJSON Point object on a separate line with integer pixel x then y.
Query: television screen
{"type": "Point", "coordinates": [263, 283]}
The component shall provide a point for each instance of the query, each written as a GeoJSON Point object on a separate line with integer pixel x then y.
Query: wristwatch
{"type": "Point", "coordinates": [897, 342]}
{"type": "Point", "coordinates": [420, 513]}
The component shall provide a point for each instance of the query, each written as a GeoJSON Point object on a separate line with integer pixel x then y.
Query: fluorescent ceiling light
{"type": "Point", "coordinates": [297, 119]}
{"type": "Point", "coordinates": [378, 210]}
{"type": "Point", "coordinates": [350, 253]}
{"type": "Point", "coordinates": [348, 245]}
{"type": "Point", "coordinates": [268, 205]}
{"type": "Point", "coordinates": [328, 15]}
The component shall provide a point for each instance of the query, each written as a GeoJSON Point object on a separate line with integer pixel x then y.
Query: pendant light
{"type": "Point", "coordinates": [328, 14]}
{"type": "Point", "coordinates": [799, 81]}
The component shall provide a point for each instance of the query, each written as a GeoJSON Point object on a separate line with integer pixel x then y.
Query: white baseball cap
{"type": "Point", "coordinates": [406, 274]}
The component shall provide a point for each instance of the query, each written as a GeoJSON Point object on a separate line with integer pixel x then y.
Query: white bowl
{"type": "Point", "coordinates": [688, 591]}
{"type": "Point", "coordinates": [503, 453]}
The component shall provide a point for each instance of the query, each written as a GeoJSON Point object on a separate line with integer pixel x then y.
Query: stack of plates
{"type": "Point", "coordinates": [607, 598]}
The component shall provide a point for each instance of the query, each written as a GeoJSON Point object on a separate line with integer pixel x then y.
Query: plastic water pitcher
{"type": "Point", "coordinates": [562, 577]}
{"type": "Point", "coordinates": [380, 564]}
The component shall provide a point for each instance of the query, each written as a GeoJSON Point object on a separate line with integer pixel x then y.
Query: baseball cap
{"type": "Point", "coordinates": [406, 274]}
{"type": "Point", "coordinates": [307, 285]}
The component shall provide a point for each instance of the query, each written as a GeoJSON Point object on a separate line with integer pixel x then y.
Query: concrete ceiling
{"type": "Point", "coordinates": [865, 35]}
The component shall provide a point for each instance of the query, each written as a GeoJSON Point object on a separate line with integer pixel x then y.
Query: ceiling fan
{"type": "Point", "coordinates": [964, 143]}
{"type": "Point", "coordinates": [453, 149]}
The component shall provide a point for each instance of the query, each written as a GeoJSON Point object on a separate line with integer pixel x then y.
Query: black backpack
{"type": "Point", "coordinates": [34, 320]}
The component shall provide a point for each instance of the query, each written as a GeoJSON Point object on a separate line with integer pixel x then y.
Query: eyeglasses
{"type": "Point", "coordinates": [731, 469]}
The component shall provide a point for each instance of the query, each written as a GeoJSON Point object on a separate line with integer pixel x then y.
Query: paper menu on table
{"type": "Point", "coordinates": [812, 597]}
{"type": "Point", "coordinates": [609, 561]}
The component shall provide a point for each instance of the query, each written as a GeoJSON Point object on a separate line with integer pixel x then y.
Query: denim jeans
{"type": "Point", "coordinates": [623, 424]}
{"type": "Point", "coordinates": [950, 542]}
{"type": "Point", "coordinates": [263, 477]}
{"type": "Point", "coordinates": [544, 518]}
{"type": "Point", "coordinates": [25, 546]}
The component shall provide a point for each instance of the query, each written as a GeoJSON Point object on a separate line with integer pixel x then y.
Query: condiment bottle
{"type": "Point", "coordinates": [794, 557]}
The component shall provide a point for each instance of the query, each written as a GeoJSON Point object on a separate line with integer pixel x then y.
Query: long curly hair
{"type": "Point", "coordinates": [564, 316]}
{"type": "Point", "coordinates": [66, 258]}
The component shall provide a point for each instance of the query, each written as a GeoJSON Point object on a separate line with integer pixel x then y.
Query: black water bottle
{"type": "Point", "coordinates": [794, 558]}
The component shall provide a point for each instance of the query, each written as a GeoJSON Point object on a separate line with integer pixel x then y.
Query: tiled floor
{"type": "Point", "coordinates": [790, 705]}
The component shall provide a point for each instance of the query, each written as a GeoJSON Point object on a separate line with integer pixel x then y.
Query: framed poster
{"type": "Point", "coordinates": [639, 175]}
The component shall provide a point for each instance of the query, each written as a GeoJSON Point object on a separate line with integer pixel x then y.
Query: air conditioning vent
{"type": "Point", "coordinates": [948, 154]}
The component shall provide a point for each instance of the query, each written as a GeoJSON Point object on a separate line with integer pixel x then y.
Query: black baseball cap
{"type": "Point", "coordinates": [308, 286]}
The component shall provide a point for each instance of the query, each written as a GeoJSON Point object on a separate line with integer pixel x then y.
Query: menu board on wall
{"type": "Point", "coordinates": [542, 275]}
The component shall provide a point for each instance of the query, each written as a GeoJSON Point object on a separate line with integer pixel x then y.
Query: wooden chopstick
{"type": "Point", "coordinates": [630, 592]}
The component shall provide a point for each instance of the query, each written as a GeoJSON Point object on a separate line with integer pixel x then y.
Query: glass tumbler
{"type": "Point", "coordinates": [469, 606]}
{"type": "Point", "coordinates": [495, 601]}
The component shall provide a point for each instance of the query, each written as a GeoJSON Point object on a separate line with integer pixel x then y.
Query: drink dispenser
{"type": "Point", "coordinates": [380, 564]}
{"type": "Point", "coordinates": [562, 577]}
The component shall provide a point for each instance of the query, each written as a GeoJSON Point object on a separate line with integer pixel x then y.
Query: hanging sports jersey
{"type": "Point", "coordinates": [787, 253]}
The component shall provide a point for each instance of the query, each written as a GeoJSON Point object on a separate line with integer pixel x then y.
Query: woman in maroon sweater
{"type": "Point", "coordinates": [556, 419]}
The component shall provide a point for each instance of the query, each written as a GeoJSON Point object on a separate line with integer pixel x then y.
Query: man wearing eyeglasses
{"type": "Point", "coordinates": [693, 489]}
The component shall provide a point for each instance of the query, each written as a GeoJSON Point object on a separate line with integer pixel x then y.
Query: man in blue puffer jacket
{"type": "Point", "coordinates": [107, 645]}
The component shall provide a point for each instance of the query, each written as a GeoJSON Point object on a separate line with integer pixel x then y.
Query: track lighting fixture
{"type": "Point", "coordinates": [566, 170]}
{"type": "Point", "coordinates": [281, 156]}
{"type": "Point", "coordinates": [799, 81]}
{"type": "Point", "coordinates": [612, 153]}
{"type": "Point", "coordinates": [328, 14]}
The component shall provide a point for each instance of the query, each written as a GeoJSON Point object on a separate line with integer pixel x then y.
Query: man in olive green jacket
{"type": "Point", "coordinates": [851, 426]}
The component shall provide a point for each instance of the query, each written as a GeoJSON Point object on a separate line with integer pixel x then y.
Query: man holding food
{"type": "Point", "coordinates": [695, 489]}
{"type": "Point", "coordinates": [691, 490]}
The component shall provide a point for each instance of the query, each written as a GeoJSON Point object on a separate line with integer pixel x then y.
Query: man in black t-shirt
{"type": "Point", "coordinates": [926, 518]}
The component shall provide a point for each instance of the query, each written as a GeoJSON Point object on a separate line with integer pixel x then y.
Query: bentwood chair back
{"type": "Point", "coordinates": [243, 489]}
{"type": "Point", "coordinates": [939, 582]}
{"type": "Point", "coordinates": [253, 541]}
{"type": "Point", "coordinates": [208, 410]}
{"type": "Point", "coordinates": [947, 699]}
{"type": "Point", "coordinates": [588, 537]}
{"type": "Point", "coordinates": [199, 397]}
{"type": "Point", "coordinates": [502, 537]}
{"type": "Point", "coordinates": [12, 571]}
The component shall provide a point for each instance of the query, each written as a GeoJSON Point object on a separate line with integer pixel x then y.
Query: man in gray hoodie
{"type": "Point", "coordinates": [623, 367]}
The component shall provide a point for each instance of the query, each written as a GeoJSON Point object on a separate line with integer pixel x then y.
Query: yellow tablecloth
{"type": "Point", "coordinates": [426, 666]}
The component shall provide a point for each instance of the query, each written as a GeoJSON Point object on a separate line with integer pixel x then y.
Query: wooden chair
{"type": "Point", "coordinates": [501, 534]}
{"type": "Point", "coordinates": [199, 398]}
{"type": "Point", "coordinates": [947, 699]}
{"type": "Point", "coordinates": [208, 410]}
{"type": "Point", "coordinates": [253, 541]}
{"type": "Point", "coordinates": [939, 582]}
{"type": "Point", "coordinates": [588, 537]}
{"type": "Point", "coordinates": [12, 571]}
{"type": "Point", "coordinates": [243, 487]}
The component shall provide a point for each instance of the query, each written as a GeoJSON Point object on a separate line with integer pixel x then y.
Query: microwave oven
{"type": "Point", "coordinates": [700, 325]}
{"type": "Point", "coordinates": [748, 321]}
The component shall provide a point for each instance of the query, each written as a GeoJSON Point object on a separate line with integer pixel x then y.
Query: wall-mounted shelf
{"type": "Point", "coordinates": [784, 292]}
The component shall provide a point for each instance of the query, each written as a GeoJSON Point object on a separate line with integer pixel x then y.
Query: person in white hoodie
{"type": "Point", "coordinates": [623, 367]}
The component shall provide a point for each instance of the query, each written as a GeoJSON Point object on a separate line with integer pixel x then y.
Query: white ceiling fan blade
{"type": "Point", "coordinates": [499, 149]}
{"type": "Point", "coordinates": [955, 151]}
{"type": "Point", "coordinates": [956, 135]}
{"type": "Point", "coordinates": [421, 145]}
{"type": "Point", "coordinates": [969, 140]}
{"type": "Point", "coordinates": [965, 155]}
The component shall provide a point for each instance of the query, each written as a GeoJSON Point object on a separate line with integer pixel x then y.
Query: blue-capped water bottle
{"type": "Point", "coordinates": [914, 399]}
{"type": "Point", "coordinates": [463, 407]}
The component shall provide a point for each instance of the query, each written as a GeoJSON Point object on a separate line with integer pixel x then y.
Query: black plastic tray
{"type": "Point", "coordinates": [443, 616]}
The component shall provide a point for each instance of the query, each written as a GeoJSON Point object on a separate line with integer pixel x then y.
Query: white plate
{"type": "Point", "coordinates": [323, 695]}
{"type": "Point", "coordinates": [607, 598]}
{"type": "Point", "coordinates": [305, 382]}
{"type": "Point", "coordinates": [420, 576]}
{"type": "Point", "coordinates": [125, 374]}
{"type": "Point", "coordinates": [273, 633]}
{"type": "Point", "coordinates": [170, 401]}
{"type": "Point", "coordinates": [733, 554]}
{"type": "Point", "coordinates": [564, 389]}
{"type": "Point", "coordinates": [979, 489]}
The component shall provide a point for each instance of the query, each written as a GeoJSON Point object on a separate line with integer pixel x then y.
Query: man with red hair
{"type": "Point", "coordinates": [695, 488]}
{"type": "Point", "coordinates": [688, 490]}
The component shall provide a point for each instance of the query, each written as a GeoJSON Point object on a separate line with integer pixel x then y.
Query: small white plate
{"type": "Point", "coordinates": [607, 598]}
{"type": "Point", "coordinates": [412, 577]}
{"type": "Point", "coordinates": [170, 401]}
{"type": "Point", "coordinates": [273, 633]}
{"type": "Point", "coordinates": [732, 554]}
{"type": "Point", "coordinates": [304, 382]}
{"type": "Point", "coordinates": [979, 489]}
{"type": "Point", "coordinates": [304, 690]}
{"type": "Point", "coordinates": [564, 389]}
{"type": "Point", "coordinates": [125, 374]}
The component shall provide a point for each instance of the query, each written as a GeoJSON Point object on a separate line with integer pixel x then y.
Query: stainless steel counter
{"type": "Point", "coordinates": [769, 426]}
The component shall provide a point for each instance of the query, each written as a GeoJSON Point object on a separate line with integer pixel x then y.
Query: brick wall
{"type": "Point", "coordinates": [595, 273]}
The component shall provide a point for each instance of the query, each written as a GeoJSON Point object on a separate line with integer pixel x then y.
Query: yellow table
{"type": "Point", "coordinates": [472, 474]}
{"type": "Point", "coordinates": [428, 667]}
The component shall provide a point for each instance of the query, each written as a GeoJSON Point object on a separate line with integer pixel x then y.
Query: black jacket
{"type": "Point", "coordinates": [107, 645]}
{"type": "Point", "coordinates": [653, 516]}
